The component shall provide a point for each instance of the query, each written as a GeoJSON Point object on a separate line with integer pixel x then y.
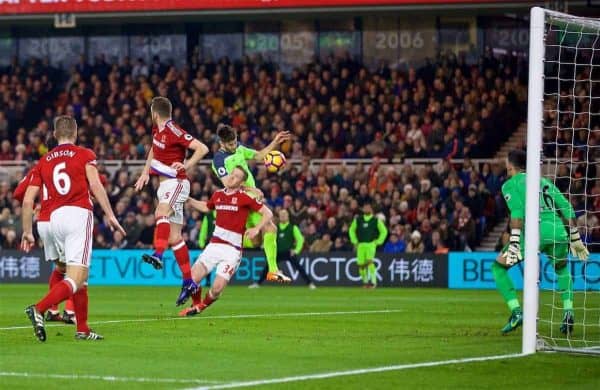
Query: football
{"type": "Point", "coordinates": [274, 161]}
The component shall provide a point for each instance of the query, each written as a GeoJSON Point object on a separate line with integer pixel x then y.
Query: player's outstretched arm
{"type": "Point", "coordinates": [145, 175]}
{"type": "Point", "coordinates": [200, 150]}
{"type": "Point", "coordinates": [199, 205]}
{"type": "Point", "coordinates": [100, 194]}
{"type": "Point", "coordinates": [280, 138]}
{"type": "Point", "coordinates": [27, 239]}
{"type": "Point", "coordinates": [267, 216]}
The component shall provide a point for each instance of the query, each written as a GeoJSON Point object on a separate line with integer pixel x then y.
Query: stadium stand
{"type": "Point", "coordinates": [336, 110]}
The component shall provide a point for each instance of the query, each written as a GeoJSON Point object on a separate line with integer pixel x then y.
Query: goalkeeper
{"type": "Point", "coordinates": [556, 216]}
{"type": "Point", "coordinates": [232, 154]}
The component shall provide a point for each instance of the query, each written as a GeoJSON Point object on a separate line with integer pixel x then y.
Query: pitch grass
{"type": "Point", "coordinates": [425, 325]}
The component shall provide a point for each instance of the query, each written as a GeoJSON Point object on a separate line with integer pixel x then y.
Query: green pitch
{"type": "Point", "coordinates": [280, 332]}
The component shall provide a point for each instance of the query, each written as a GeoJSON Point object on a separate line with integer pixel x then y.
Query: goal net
{"type": "Point", "coordinates": [564, 131]}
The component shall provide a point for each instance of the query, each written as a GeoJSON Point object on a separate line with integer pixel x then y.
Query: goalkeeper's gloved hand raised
{"type": "Point", "coordinates": [578, 248]}
{"type": "Point", "coordinates": [513, 255]}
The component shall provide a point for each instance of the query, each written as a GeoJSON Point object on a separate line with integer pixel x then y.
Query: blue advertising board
{"type": "Point", "coordinates": [125, 267]}
{"type": "Point", "coordinates": [473, 270]}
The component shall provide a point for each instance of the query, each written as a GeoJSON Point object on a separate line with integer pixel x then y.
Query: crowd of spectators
{"type": "Point", "coordinates": [335, 109]}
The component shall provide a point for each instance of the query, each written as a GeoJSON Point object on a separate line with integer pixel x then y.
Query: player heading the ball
{"type": "Point", "coordinates": [232, 154]}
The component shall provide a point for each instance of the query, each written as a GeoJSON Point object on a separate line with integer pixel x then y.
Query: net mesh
{"type": "Point", "coordinates": [571, 155]}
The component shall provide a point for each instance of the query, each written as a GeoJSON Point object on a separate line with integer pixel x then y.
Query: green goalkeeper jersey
{"type": "Point", "coordinates": [224, 162]}
{"type": "Point", "coordinates": [553, 204]}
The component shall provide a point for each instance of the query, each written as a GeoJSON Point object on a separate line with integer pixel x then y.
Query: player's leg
{"type": "Point", "coordinates": [200, 270]}
{"type": "Point", "coordinates": [263, 277]}
{"type": "Point", "coordinates": [226, 260]}
{"type": "Point", "coordinates": [370, 250]}
{"type": "Point", "coordinates": [555, 243]}
{"type": "Point", "coordinates": [203, 266]}
{"type": "Point", "coordinates": [269, 236]}
{"type": "Point", "coordinates": [508, 292]}
{"type": "Point", "coordinates": [168, 192]}
{"type": "Point", "coordinates": [296, 264]}
{"type": "Point", "coordinates": [58, 273]}
{"type": "Point", "coordinates": [65, 224]}
{"type": "Point", "coordinates": [361, 262]}
{"type": "Point", "coordinates": [214, 292]}
{"type": "Point", "coordinates": [226, 267]}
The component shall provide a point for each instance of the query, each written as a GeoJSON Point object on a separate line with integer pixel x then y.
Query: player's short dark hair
{"type": "Point", "coordinates": [518, 158]}
{"type": "Point", "coordinates": [226, 133]}
{"type": "Point", "coordinates": [161, 106]}
{"type": "Point", "coordinates": [65, 126]}
{"type": "Point", "coordinates": [243, 170]}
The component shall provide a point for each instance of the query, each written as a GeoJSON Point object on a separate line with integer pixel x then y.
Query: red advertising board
{"type": "Point", "coordinates": [8, 7]}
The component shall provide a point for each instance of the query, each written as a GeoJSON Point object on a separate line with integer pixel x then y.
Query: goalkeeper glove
{"type": "Point", "coordinates": [513, 256]}
{"type": "Point", "coordinates": [578, 248]}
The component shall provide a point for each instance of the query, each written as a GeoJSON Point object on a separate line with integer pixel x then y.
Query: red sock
{"type": "Point", "coordinates": [182, 255]}
{"type": "Point", "coordinates": [60, 292]}
{"type": "Point", "coordinates": [197, 297]}
{"type": "Point", "coordinates": [55, 277]}
{"type": "Point", "coordinates": [80, 300]}
{"type": "Point", "coordinates": [161, 234]}
{"type": "Point", "coordinates": [70, 305]}
{"type": "Point", "coordinates": [208, 299]}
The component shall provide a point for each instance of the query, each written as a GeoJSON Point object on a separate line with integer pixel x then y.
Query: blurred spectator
{"type": "Point", "coordinates": [415, 245]}
{"type": "Point", "coordinates": [323, 244]}
{"type": "Point", "coordinates": [394, 245]}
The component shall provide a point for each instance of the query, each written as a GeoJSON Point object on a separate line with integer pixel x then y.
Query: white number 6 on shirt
{"type": "Point", "coordinates": [61, 180]}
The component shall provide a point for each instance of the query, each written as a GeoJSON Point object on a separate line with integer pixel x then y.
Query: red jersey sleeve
{"type": "Point", "coordinates": [179, 136]}
{"type": "Point", "coordinates": [89, 157]}
{"type": "Point", "coordinates": [211, 202]}
{"type": "Point", "coordinates": [36, 177]}
{"type": "Point", "coordinates": [19, 192]}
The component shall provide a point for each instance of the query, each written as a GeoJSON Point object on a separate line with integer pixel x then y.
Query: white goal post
{"type": "Point", "coordinates": [557, 42]}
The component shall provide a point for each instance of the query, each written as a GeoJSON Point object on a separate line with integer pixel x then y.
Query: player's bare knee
{"type": "Point", "coordinates": [218, 286]}
{"type": "Point", "coordinates": [198, 271]}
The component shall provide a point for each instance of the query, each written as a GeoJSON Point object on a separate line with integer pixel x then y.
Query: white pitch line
{"type": "Point", "coordinates": [335, 374]}
{"type": "Point", "coordinates": [232, 316]}
{"type": "Point", "coordinates": [105, 378]}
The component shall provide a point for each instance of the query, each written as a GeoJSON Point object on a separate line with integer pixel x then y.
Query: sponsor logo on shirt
{"type": "Point", "coordinates": [226, 207]}
{"type": "Point", "coordinates": [158, 144]}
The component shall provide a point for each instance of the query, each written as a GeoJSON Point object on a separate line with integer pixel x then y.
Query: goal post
{"type": "Point", "coordinates": [535, 114]}
{"type": "Point", "coordinates": [562, 122]}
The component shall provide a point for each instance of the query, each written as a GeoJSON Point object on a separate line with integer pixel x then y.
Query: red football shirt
{"type": "Point", "coordinates": [45, 205]}
{"type": "Point", "coordinates": [62, 172]}
{"type": "Point", "coordinates": [232, 209]}
{"type": "Point", "coordinates": [168, 146]}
